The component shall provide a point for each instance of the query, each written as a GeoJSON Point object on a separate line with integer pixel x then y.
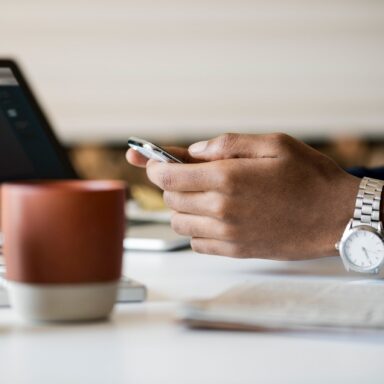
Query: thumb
{"type": "Point", "coordinates": [231, 145]}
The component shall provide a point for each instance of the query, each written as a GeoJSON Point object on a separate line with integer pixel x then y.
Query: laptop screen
{"type": "Point", "coordinates": [28, 148]}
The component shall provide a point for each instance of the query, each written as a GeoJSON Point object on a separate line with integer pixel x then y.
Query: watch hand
{"type": "Point", "coordinates": [366, 254]}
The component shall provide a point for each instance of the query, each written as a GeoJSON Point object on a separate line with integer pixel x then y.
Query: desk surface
{"type": "Point", "coordinates": [143, 344]}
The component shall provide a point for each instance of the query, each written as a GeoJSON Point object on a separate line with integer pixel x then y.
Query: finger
{"type": "Point", "coordinates": [201, 226]}
{"type": "Point", "coordinates": [211, 204]}
{"type": "Point", "coordinates": [234, 249]}
{"type": "Point", "coordinates": [215, 247]}
{"type": "Point", "coordinates": [222, 248]}
{"type": "Point", "coordinates": [184, 177]}
{"type": "Point", "coordinates": [135, 158]}
{"type": "Point", "coordinates": [232, 145]}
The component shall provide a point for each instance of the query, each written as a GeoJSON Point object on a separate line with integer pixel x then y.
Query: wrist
{"type": "Point", "coordinates": [341, 211]}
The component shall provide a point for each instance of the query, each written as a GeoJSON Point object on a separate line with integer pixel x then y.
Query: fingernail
{"type": "Point", "coordinates": [198, 147]}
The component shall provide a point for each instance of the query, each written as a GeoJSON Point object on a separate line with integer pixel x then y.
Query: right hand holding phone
{"type": "Point", "coordinates": [263, 196]}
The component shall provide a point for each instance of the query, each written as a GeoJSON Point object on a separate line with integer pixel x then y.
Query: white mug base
{"type": "Point", "coordinates": [62, 302]}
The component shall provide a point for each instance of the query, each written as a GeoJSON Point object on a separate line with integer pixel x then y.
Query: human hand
{"type": "Point", "coordinates": [264, 196]}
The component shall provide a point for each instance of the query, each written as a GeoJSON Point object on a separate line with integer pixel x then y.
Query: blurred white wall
{"type": "Point", "coordinates": [169, 69]}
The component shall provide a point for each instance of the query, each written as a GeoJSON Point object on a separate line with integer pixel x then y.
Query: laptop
{"type": "Point", "coordinates": [29, 149]}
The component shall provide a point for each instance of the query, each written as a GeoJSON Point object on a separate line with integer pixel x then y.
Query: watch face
{"type": "Point", "coordinates": [364, 249]}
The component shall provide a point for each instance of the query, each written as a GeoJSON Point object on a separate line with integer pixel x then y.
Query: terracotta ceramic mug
{"type": "Point", "coordinates": [63, 247]}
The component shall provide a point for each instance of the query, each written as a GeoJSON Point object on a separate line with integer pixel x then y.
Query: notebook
{"type": "Point", "coordinates": [291, 304]}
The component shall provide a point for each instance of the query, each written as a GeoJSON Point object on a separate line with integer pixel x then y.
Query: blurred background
{"type": "Point", "coordinates": [178, 71]}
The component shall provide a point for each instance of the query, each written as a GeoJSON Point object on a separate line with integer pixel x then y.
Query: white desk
{"type": "Point", "coordinates": [142, 343]}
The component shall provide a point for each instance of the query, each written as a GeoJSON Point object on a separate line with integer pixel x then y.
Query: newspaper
{"type": "Point", "coordinates": [291, 305]}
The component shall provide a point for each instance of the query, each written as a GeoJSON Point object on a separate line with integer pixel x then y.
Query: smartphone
{"type": "Point", "coordinates": [152, 151]}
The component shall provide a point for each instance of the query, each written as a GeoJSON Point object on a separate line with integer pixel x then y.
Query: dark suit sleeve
{"type": "Point", "coordinates": [375, 173]}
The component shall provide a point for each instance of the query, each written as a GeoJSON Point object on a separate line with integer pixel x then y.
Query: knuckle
{"type": "Point", "coordinates": [206, 246]}
{"type": "Point", "coordinates": [177, 224]}
{"type": "Point", "coordinates": [197, 176]}
{"type": "Point", "coordinates": [229, 232]}
{"type": "Point", "coordinates": [169, 199]}
{"type": "Point", "coordinates": [196, 246]}
{"type": "Point", "coordinates": [229, 249]}
{"type": "Point", "coordinates": [166, 181]}
{"type": "Point", "coordinates": [225, 179]}
{"type": "Point", "coordinates": [221, 208]}
{"type": "Point", "coordinates": [199, 245]}
{"type": "Point", "coordinates": [227, 140]}
{"type": "Point", "coordinates": [235, 250]}
{"type": "Point", "coordinates": [280, 139]}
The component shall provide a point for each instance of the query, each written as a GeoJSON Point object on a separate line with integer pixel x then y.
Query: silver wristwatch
{"type": "Point", "coordinates": [362, 245]}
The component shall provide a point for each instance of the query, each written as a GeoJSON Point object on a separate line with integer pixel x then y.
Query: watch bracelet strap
{"type": "Point", "coordinates": [368, 201]}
